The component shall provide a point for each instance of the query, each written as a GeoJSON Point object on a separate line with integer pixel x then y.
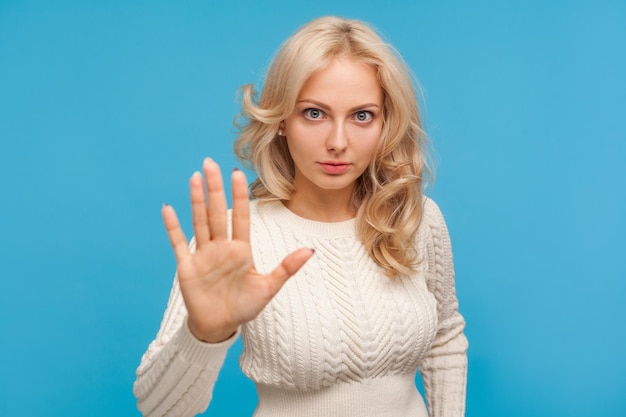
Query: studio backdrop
{"type": "Point", "coordinates": [107, 108]}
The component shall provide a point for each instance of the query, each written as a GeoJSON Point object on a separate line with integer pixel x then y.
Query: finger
{"type": "Point", "coordinates": [241, 207]}
{"type": "Point", "coordinates": [217, 200]}
{"type": "Point", "coordinates": [289, 266]}
{"type": "Point", "coordinates": [199, 210]}
{"type": "Point", "coordinates": [175, 233]}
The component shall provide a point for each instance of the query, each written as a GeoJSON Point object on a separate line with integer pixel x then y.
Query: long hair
{"type": "Point", "coordinates": [388, 196]}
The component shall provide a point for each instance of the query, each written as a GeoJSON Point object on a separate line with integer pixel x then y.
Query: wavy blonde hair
{"type": "Point", "coordinates": [388, 198]}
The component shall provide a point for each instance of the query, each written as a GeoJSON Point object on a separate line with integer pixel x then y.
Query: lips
{"type": "Point", "coordinates": [332, 167]}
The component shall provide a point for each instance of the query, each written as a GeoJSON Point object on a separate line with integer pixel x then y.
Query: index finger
{"type": "Point", "coordinates": [241, 206]}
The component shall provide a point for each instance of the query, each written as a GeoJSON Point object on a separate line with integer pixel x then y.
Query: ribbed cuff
{"type": "Point", "coordinates": [201, 353]}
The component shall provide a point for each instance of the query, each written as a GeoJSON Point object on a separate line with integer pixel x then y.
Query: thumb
{"type": "Point", "coordinates": [289, 266]}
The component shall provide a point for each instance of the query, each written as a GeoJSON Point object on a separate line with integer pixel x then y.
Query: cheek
{"type": "Point", "coordinates": [302, 138]}
{"type": "Point", "coordinates": [370, 143]}
{"type": "Point", "coordinates": [298, 148]}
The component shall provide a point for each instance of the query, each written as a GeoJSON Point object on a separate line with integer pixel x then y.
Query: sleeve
{"type": "Point", "coordinates": [177, 373]}
{"type": "Point", "coordinates": [444, 369]}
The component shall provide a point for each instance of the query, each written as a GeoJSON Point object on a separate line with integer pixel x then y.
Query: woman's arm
{"type": "Point", "coordinates": [177, 373]}
{"type": "Point", "coordinates": [444, 370]}
{"type": "Point", "coordinates": [216, 290]}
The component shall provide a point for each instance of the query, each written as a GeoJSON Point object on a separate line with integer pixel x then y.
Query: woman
{"type": "Point", "coordinates": [337, 206]}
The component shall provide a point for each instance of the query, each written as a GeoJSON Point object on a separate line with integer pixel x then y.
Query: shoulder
{"type": "Point", "coordinates": [257, 209]}
{"type": "Point", "coordinates": [433, 224]}
{"type": "Point", "coordinates": [435, 247]}
{"type": "Point", "coordinates": [432, 210]}
{"type": "Point", "coordinates": [262, 210]}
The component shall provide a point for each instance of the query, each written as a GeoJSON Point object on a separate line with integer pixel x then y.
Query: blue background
{"type": "Point", "coordinates": [106, 108]}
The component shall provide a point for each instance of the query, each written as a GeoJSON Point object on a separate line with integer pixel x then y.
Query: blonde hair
{"type": "Point", "coordinates": [388, 198]}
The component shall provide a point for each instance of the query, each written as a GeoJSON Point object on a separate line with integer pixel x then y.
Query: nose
{"type": "Point", "coordinates": [337, 140]}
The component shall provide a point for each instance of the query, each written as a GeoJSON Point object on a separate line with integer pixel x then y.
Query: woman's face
{"type": "Point", "coordinates": [335, 127]}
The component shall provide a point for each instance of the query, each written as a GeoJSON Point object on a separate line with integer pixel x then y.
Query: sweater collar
{"type": "Point", "coordinates": [285, 217]}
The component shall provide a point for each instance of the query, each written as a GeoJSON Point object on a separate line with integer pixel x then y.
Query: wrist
{"type": "Point", "coordinates": [211, 336]}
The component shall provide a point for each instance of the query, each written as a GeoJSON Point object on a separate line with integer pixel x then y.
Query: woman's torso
{"type": "Point", "coordinates": [339, 335]}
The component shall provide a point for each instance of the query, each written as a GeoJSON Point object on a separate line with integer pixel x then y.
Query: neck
{"type": "Point", "coordinates": [327, 206]}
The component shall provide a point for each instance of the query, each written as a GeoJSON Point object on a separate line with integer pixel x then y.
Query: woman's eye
{"type": "Point", "coordinates": [313, 114]}
{"type": "Point", "coordinates": [363, 116]}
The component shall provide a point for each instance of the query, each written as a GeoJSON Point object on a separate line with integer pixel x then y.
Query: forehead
{"type": "Point", "coordinates": [344, 79]}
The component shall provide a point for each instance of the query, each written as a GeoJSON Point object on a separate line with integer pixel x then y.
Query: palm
{"type": "Point", "coordinates": [219, 284]}
{"type": "Point", "coordinates": [233, 292]}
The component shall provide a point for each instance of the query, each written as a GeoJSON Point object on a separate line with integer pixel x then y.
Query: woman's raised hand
{"type": "Point", "coordinates": [219, 282]}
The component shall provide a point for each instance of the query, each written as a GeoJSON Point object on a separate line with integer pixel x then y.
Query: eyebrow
{"type": "Point", "coordinates": [327, 107]}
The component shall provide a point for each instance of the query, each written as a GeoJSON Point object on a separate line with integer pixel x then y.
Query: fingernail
{"type": "Point", "coordinates": [312, 250]}
{"type": "Point", "coordinates": [165, 205]}
{"type": "Point", "coordinates": [235, 169]}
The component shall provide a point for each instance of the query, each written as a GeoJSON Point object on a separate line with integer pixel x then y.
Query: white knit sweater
{"type": "Point", "coordinates": [339, 339]}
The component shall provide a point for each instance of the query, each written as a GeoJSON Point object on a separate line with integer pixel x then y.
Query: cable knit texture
{"type": "Point", "coordinates": [339, 339]}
